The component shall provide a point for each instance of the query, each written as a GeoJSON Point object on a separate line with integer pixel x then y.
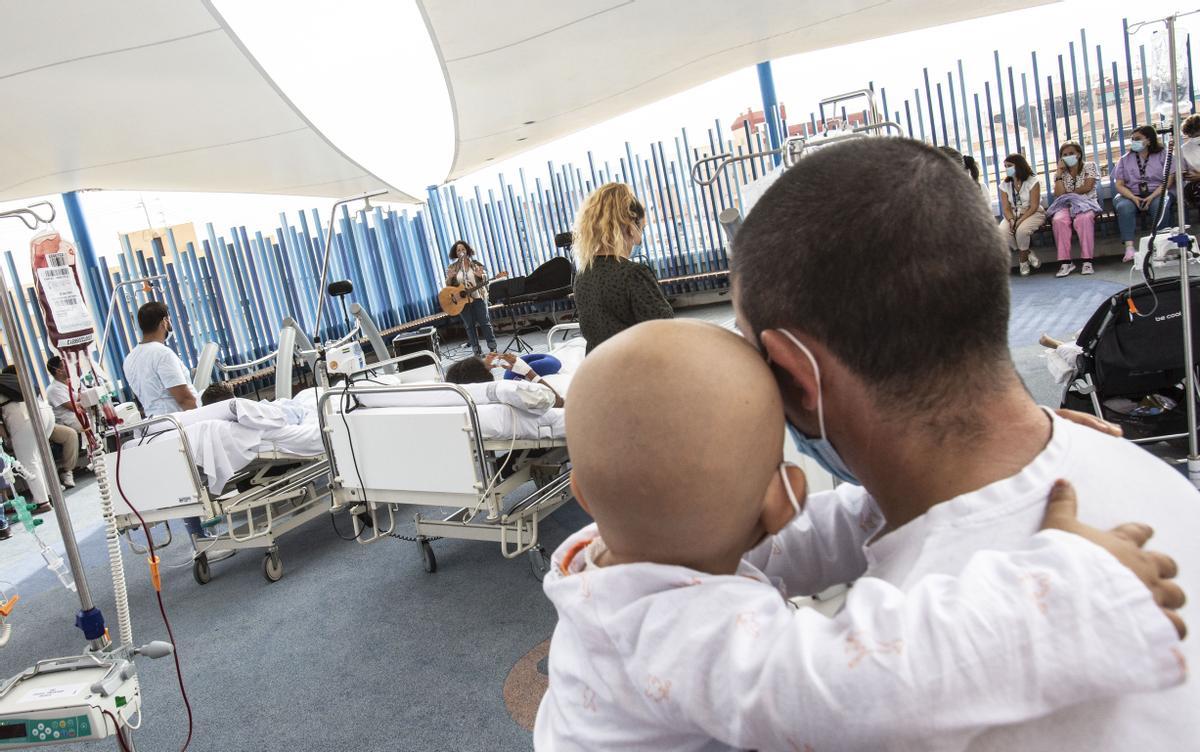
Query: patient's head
{"type": "Point", "coordinates": [680, 470]}
{"type": "Point", "coordinates": [469, 371]}
{"type": "Point", "coordinates": [218, 391]}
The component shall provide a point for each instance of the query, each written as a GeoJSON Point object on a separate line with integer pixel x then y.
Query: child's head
{"type": "Point", "coordinates": [218, 391]}
{"type": "Point", "coordinates": [676, 436]}
{"type": "Point", "coordinates": [469, 371]}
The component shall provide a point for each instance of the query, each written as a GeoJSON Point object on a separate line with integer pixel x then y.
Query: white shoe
{"type": "Point", "coordinates": [67, 478]}
{"type": "Point", "coordinates": [1065, 269]}
{"type": "Point", "coordinates": [1087, 268]}
{"type": "Point", "coordinates": [1034, 261]}
{"type": "Point", "coordinates": [1024, 268]}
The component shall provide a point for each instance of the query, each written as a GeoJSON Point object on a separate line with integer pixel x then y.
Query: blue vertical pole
{"type": "Point", "coordinates": [1133, 122]}
{"type": "Point", "coordinates": [766, 82]}
{"type": "Point", "coordinates": [87, 254]}
{"type": "Point", "coordinates": [1087, 81]}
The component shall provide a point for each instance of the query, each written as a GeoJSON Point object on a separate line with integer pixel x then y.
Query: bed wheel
{"type": "Point", "coordinates": [539, 562]}
{"type": "Point", "coordinates": [200, 571]}
{"type": "Point", "coordinates": [272, 567]}
{"type": "Point", "coordinates": [428, 560]}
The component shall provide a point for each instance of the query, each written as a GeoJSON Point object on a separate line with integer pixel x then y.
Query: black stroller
{"type": "Point", "coordinates": [1130, 359]}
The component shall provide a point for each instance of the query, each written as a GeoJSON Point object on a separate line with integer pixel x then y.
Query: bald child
{"type": "Point", "coordinates": [669, 639]}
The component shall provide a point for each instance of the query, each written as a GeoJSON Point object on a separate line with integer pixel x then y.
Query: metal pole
{"type": "Point", "coordinates": [766, 82]}
{"type": "Point", "coordinates": [29, 395]}
{"type": "Point", "coordinates": [321, 294]}
{"type": "Point", "coordinates": [1189, 361]}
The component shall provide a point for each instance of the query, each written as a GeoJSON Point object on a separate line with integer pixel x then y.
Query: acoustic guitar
{"type": "Point", "coordinates": [454, 299]}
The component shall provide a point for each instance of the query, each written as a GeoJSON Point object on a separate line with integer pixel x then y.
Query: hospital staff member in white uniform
{"type": "Point", "coordinates": [897, 378]}
{"type": "Point", "coordinates": [159, 379]}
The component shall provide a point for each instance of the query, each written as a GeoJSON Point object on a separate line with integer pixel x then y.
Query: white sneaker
{"type": "Point", "coordinates": [67, 478]}
{"type": "Point", "coordinates": [1024, 268]}
{"type": "Point", "coordinates": [1034, 261]}
{"type": "Point", "coordinates": [1087, 268]}
{"type": "Point", "coordinates": [1065, 269]}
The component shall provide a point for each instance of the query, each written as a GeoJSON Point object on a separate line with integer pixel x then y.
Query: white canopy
{"type": "Point", "coordinates": [522, 74]}
{"type": "Point", "coordinates": [154, 95]}
{"type": "Point", "coordinates": [149, 95]}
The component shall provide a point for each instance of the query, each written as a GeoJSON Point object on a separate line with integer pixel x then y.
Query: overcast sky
{"type": "Point", "coordinates": [800, 81]}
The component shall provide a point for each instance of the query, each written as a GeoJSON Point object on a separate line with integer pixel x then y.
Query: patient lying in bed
{"type": "Point", "coordinates": [476, 370]}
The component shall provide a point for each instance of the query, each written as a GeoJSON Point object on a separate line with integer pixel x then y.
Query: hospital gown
{"type": "Point", "coordinates": [649, 656]}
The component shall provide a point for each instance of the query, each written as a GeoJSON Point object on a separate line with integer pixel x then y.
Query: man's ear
{"type": "Point", "coordinates": [579, 497]}
{"type": "Point", "coordinates": [797, 373]}
{"type": "Point", "coordinates": [777, 510]}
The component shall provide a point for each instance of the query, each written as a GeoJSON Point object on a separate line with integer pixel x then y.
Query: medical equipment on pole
{"type": "Point", "coordinates": [93, 695]}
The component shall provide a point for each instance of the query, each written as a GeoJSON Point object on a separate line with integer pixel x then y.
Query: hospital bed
{"type": "Point", "coordinates": [273, 482]}
{"type": "Point", "coordinates": [431, 444]}
{"type": "Point", "coordinates": [158, 472]}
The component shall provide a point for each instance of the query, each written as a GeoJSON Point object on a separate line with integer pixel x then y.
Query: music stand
{"type": "Point", "coordinates": [504, 291]}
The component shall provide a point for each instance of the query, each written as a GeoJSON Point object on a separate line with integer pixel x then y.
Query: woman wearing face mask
{"type": "Point", "coordinates": [1075, 206]}
{"type": "Point", "coordinates": [1191, 159]}
{"type": "Point", "coordinates": [1138, 177]}
{"type": "Point", "coordinates": [613, 293]}
{"type": "Point", "coordinates": [1021, 204]}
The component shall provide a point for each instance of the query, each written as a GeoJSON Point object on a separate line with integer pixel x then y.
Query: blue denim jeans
{"type": "Point", "coordinates": [194, 527]}
{"type": "Point", "coordinates": [476, 315]}
{"type": "Point", "coordinates": [1127, 212]}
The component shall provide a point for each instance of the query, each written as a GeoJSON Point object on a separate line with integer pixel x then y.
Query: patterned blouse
{"type": "Point", "coordinates": [1071, 182]}
{"type": "Point", "coordinates": [613, 295]}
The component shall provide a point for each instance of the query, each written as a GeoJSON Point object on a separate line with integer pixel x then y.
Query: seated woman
{"type": "Point", "coordinates": [1138, 178]}
{"type": "Point", "coordinates": [613, 293]}
{"type": "Point", "coordinates": [1191, 159]}
{"type": "Point", "coordinates": [1076, 205]}
{"type": "Point", "coordinates": [970, 165]}
{"type": "Point", "coordinates": [1021, 205]}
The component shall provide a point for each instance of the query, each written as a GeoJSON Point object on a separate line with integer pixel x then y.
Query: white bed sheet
{"type": "Point", "coordinates": [227, 436]}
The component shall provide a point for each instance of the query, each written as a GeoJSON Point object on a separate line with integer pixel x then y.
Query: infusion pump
{"type": "Point", "coordinates": [66, 700]}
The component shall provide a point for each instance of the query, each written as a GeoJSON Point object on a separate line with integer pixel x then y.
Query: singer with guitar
{"type": "Point", "coordinates": [465, 272]}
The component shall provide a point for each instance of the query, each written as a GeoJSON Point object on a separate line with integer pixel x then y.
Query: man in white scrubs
{"type": "Point", "coordinates": [160, 381]}
{"type": "Point", "coordinates": [884, 315]}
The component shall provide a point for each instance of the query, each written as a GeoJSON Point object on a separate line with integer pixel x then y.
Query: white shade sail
{"type": "Point", "coordinates": [158, 95]}
{"type": "Point", "coordinates": [522, 74]}
{"type": "Point", "coordinates": [149, 95]}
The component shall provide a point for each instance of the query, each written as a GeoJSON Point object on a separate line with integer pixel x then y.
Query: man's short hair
{"type": "Point", "coordinates": [468, 371]}
{"type": "Point", "coordinates": [218, 391]}
{"type": "Point", "coordinates": [53, 363]}
{"type": "Point", "coordinates": [884, 251]}
{"type": "Point", "coordinates": [151, 315]}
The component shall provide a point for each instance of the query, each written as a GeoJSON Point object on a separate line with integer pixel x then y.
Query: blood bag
{"type": "Point", "coordinates": [56, 279]}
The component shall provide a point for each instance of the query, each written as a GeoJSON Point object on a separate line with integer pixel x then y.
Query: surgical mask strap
{"type": "Point", "coordinates": [816, 370]}
{"type": "Point", "coordinates": [787, 486]}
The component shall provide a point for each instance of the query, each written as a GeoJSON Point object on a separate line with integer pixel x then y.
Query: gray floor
{"type": "Point", "coordinates": [356, 647]}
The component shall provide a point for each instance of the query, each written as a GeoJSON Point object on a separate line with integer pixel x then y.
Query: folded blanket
{"type": "Point", "coordinates": [1074, 203]}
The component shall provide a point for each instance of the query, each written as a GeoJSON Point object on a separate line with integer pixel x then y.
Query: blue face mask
{"type": "Point", "coordinates": [820, 449]}
{"type": "Point", "coordinates": [1071, 160]}
{"type": "Point", "coordinates": [1137, 146]}
{"type": "Point", "coordinates": [1010, 171]}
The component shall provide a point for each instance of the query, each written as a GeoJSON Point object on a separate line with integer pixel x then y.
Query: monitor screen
{"type": "Point", "coordinates": [12, 731]}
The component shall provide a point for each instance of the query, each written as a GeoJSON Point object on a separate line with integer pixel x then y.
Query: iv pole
{"type": "Point", "coordinates": [1189, 360]}
{"type": "Point", "coordinates": [13, 335]}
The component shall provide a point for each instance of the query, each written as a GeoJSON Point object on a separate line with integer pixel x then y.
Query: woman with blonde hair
{"type": "Point", "coordinates": [613, 293]}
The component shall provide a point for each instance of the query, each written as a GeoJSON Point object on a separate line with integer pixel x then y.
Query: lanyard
{"type": "Point", "coordinates": [1143, 186]}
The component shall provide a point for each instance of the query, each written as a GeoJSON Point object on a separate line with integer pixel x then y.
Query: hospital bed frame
{"type": "Point", "coordinates": [259, 504]}
{"type": "Point", "coordinates": [418, 446]}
